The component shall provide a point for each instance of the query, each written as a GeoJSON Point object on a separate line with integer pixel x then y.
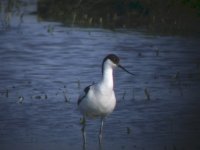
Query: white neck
{"type": "Point", "coordinates": [107, 79]}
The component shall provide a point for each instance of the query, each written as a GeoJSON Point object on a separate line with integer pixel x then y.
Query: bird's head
{"type": "Point", "coordinates": [113, 61]}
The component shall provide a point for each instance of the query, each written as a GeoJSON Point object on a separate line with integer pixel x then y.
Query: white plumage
{"type": "Point", "coordinates": [98, 100]}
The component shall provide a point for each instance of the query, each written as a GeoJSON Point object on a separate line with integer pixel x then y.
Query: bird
{"type": "Point", "coordinates": [98, 99]}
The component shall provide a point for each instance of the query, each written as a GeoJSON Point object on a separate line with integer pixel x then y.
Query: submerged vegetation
{"type": "Point", "coordinates": [172, 16]}
{"type": "Point", "coordinates": [9, 9]}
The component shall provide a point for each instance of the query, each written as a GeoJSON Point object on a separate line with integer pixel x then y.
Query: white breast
{"type": "Point", "coordinates": [99, 101]}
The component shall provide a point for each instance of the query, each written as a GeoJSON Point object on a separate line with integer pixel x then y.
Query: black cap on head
{"type": "Point", "coordinates": [114, 58]}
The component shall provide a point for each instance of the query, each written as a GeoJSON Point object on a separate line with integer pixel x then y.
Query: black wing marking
{"type": "Point", "coordinates": [86, 90]}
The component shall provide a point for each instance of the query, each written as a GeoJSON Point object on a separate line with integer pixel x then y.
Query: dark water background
{"type": "Point", "coordinates": [44, 66]}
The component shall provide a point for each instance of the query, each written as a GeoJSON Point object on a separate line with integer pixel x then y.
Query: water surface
{"type": "Point", "coordinates": [44, 66]}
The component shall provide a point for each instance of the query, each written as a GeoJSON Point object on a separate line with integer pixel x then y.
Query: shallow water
{"type": "Point", "coordinates": [44, 66]}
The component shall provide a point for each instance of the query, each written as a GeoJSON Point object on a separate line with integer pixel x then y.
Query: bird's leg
{"type": "Point", "coordinates": [100, 132]}
{"type": "Point", "coordinates": [83, 132]}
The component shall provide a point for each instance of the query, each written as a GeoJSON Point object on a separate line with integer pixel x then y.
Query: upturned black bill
{"type": "Point", "coordinates": [125, 70]}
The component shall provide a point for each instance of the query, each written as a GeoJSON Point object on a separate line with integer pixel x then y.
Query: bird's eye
{"type": "Point", "coordinates": [116, 60]}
